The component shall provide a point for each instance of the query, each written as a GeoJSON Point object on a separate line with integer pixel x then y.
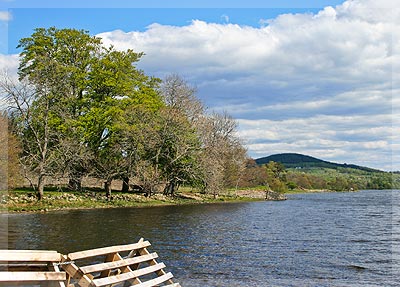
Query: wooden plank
{"type": "Point", "coordinates": [173, 285]}
{"type": "Point", "coordinates": [32, 276]}
{"type": "Point", "coordinates": [109, 258]}
{"type": "Point", "coordinates": [27, 251]}
{"type": "Point", "coordinates": [107, 250]}
{"type": "Point", "coordinates": [156, 281]}
{"type": "Point", "coordinates": [129, 275]}
{"type": "Point", "coordinates": [54, 267]}
{"type": "Point", "coordinates": [117, 264]}
{"type": "Point", "coordinates": [29, 255]}
{"type": "Point", "coordinates": [22, 265]}
{"type": "Point", "coordinates": [127, 269]}
{"type": "Point", "coordinates": [161, 272]}
{"type": "Point", "coordinates": [74, 272]}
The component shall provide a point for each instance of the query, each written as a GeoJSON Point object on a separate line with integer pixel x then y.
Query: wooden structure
{"type": "Point", "coordinates": [122, 265]}
{"type": "Point", "coordinates": [31, 268]}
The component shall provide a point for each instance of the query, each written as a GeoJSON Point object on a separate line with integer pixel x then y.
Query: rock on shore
{"type": "Point", "coordinates": [273, 195]}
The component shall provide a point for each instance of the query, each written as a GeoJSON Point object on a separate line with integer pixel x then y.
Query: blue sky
{"type": "Point", "coordinates": [315, 77]}
{"type": "Point", "coordinates": [137, 15]}
{"type": "Point", "coordinates": [92, 19]}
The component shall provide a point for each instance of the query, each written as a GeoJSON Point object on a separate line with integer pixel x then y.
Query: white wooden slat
{"type": "Point", "coordinates": [128, 275]}
{"type": "Point", "coordinates": [54, 267]}
{"type": "Point", "coordinates": [29, 255]}
{"type": "Point", "coordinates": [117, 264]}
{"type": "Point", "coordinates": [155, 281]}
{"type": "Point", "coordinates": [107, 250]}
{"type": "Point", "coordinates": [32, 276]}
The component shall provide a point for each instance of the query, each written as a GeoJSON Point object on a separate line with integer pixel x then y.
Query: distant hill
{"type": "Point", "coordinates": [295, 160]}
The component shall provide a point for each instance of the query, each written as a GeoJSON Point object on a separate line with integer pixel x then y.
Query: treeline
{"type": "Point", "coordinates": [275, 176]}
{"type": "Point", "coordinates": [81, 109]}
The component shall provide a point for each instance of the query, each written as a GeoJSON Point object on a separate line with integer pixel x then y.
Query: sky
{"type": "Point", "coordinates": [314, 77]}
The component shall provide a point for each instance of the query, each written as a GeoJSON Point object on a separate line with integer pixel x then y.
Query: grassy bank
{"type": "Point", "coordinates": [25, 200]}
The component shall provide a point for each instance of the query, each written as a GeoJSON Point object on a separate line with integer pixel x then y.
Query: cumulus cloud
{"type": "Point", "coordinates": [324, 84]}
{"type": "Point", "coordinates": [353, 139]}
{"type": "Point", "coordinates": [296, 56]}
{"type": "Point", "coordinates": [5, 16]}
{"type": "Point", "coordinates": [9, 63]}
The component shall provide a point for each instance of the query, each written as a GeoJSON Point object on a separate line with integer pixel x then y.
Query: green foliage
{"type": "Point", "coordinates": [92, 112]}
{"type": "Point", "coordinates": [337, 179]}
{"type": "Point", "coordinates": [294, 160]}
{"type": "Point", "coordinates": [88, 88]}
{"type": "Point", "coordinates": [342, 179]}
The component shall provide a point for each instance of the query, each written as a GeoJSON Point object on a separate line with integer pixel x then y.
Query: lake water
{"type": "Point", "coordinates": [321, 239]}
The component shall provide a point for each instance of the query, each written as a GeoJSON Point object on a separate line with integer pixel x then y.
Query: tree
{"type": "Point", "coordinates": [59, 60]}
{"type": "Point", "coordinates": [178, 152]}
{"type": "Point", "coordinates": [179, 95]}
{"type": "Point", "coordinates": [253, 175]}
{"type": "Point", "coordinates": [33, 114]}
{"type": "Point", "coordinates": [221, 149]}
{"type": "Point", "coordinates": [181, 163]}
{"type": "Point", "coordinates": [219, 156]}
{"type": "Point", "coordinates": [116, 86]}
{"type": "Point", "coordinates": [90, 87]}
{"type": "Point", "coordinates": [276, 176]}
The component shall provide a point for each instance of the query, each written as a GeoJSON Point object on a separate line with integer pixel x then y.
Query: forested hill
{"type": "Point", "coordinates": [293, 160]}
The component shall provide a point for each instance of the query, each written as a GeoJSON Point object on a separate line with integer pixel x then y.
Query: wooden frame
{"type": "Point", "coordinates": [31, 267]}
{"type": "Point", "coordinates": [138, 268]}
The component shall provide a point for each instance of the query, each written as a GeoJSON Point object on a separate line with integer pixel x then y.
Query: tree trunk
{"type": "Point", "coordinates": [125, 184]}
{"type": "Point", "coordinates": [169, 188]}
{"type": "Point", "coordinates": [107, 188]}
{"type": "Point", "coordinates": [147, 189]}
{"type": "Point", "coordinates": [40, 190]}
{"type": "Point", "coordinates": [75, 182]}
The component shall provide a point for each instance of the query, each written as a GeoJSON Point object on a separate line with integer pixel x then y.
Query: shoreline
{"type": "Point", "coordinates": [15, 202]}
{"type": "Point", "coordinates": [23, 201]}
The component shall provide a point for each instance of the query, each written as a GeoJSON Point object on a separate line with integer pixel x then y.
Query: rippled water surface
{"type": "Point", "coordinates": [322, 239]}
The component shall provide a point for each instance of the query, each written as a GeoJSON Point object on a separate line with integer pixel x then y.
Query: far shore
{"type": "Point", "coordinates": [24, 201]}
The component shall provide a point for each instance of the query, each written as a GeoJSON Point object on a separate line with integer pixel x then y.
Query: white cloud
{"type": "Point", "coordinates": [353, 139]}
{"type": "Point", "coordinates": [295, 56]}
{"type": "Point", "coordinates": [5, 16]}
{"type": "Point", "coordinates": [9, 64]}
{"type": "Point", "coordinates": [325, 84]}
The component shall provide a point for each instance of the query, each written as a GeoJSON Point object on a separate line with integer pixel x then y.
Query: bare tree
{"type": "Point", "coordinates": [31, 110]}
{"type": "Point", "coordinates": [224, 156]}
{"type": "Point", "coordinates": [178, 94]}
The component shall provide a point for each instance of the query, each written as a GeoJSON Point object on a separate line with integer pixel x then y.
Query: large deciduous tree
{"type": "Point", "coordinates": [117, 86]}
{"type": "Point", "coordinates": [59, 61]}
{"type": "Point", "coordinates": [70, 102]}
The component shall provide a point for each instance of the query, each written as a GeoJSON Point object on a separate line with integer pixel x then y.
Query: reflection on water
{"type": "Point", "coordinates": [334, 239]}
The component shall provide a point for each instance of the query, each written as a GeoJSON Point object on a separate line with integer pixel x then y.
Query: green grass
{"type": "Point", "coordinates": [24, 200]}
